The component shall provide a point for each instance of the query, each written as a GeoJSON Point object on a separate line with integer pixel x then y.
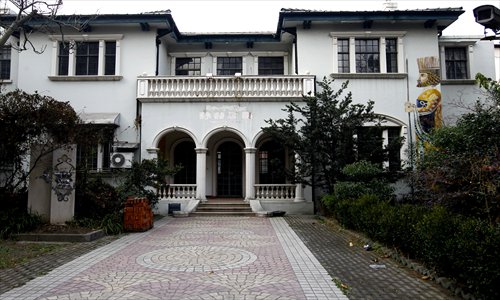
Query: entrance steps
{"type": "Point", "coordinates": [223, 207]}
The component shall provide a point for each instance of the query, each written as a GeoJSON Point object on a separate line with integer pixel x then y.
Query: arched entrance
{"type": "Point", "coordinates": [229, 169]}
{"type": "Point", "coordinates": [185, 156]}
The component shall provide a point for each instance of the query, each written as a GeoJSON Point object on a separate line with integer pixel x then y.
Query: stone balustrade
{"type": "Point", "coordinates": [275, 191]}
{"type": "Point", "coordinates": [177, 191]}
{"type": "Point", "coordinates": [170, 88]}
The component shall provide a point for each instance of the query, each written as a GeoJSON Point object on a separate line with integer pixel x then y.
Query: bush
{"type": "Point", "coordinates": [465, 249]}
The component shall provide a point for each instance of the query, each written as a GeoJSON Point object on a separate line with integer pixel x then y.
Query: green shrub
{"type": "Point", "coordinates": [16, 220]}
{"type": "Point", "coordinates": [465, 249]}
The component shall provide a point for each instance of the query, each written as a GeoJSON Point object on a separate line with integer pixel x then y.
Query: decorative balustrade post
{"type": "Point", "coordinates": [250, 173]}
{"type": "Point", "coordinates": [201, 166]}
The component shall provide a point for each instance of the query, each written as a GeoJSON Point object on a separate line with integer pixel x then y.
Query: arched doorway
{"type": "Point", "coordinates": [229, 169]}
{"type": "Point", "coordinates": [185, 155]}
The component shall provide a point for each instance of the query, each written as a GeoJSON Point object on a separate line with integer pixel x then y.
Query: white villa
{"type": "Point", "coordinates": [201, 100]}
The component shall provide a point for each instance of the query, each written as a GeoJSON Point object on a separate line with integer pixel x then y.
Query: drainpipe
{"type": "Point", "coordinates": [158, 42]}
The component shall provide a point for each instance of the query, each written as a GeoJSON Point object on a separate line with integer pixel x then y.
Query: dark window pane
{"type": "Point", "coordinates": [391, 51]}
{"type": "Point", "coordinates": [367, 56]}
{"type": "Point", "coordinates": [456, 63]}
{"type": "Point", "coordinates": [343, 56]}
{"type": "Point", "coordinates": [110, 58]}
{"type": "Point", "coordinates": [190, 66]}
{"type": "Point", "coordinates": [87, 56]}
{"type": "Point", "coordinates": [271, 65]}
{"type": "Point", "coordinates": [229, 65]}
{"type": "Point", "coordinates": [5, 62]}
{"type": "Point", "coordinates": [63, 59]}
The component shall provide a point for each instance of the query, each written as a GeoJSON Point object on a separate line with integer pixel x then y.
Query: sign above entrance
{"type": "Point", "coordinates": [225, 112]}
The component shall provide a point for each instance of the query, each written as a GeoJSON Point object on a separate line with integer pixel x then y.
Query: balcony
{"type": "Point", "coordinates": [223, 88]}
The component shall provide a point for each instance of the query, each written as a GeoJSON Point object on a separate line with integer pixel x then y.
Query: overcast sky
{"type": "Point", "coordinates": [262, 15]}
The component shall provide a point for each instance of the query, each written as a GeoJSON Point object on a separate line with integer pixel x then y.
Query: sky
{"type": "Point", "coordinates": [262, 15]}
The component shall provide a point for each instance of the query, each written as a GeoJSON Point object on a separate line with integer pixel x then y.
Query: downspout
{"type": "Point", "coordinates": [158, 42]}
{"type": "Point", "coordinates": [296, 55]}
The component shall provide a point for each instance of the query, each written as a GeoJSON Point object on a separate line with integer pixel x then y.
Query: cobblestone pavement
{"type": "Point", "coordinates": [192, 258]}
{"type": "Point", "coordinates": [351, 265]}
{"type": "Point", "coordinates": [22, 273]}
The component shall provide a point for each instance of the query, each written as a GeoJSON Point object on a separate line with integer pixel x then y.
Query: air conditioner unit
{"type": "Point", "coordinates": [121, 159]}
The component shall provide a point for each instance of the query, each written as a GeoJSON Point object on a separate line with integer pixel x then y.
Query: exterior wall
{"type": "Point", "coordinates": [95, 96]}
{"type": "Point", "coordinates": [389, 94]}
{"type": "Point", "coordinates": [10, 85]}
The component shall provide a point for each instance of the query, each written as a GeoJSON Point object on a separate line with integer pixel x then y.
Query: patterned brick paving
{"type": "Point", "coordinates": [192, 258]}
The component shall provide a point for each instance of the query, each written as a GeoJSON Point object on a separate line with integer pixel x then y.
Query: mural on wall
{"type": "Point", "coordinates": [428, 106]}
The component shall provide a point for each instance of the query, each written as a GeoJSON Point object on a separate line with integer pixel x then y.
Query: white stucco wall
{"type": "Point", "coordinates": [138, 56]}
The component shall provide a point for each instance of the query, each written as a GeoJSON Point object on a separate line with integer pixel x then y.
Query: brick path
{"type": "Point", "coordinates": [351, 265]}
{"type": "Point", "coordinates": [219, 258]}
{"type": "Point", "coordinates": [192, 258]}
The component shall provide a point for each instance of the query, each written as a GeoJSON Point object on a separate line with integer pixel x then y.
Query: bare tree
{"type": "Point", "coordinates": [27, 10]}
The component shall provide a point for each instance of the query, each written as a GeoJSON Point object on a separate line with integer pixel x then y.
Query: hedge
{"type": "Point", "coordinates": [464, 249]}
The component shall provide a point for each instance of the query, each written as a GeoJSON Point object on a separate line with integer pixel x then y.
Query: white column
{"type": "Point", "coordinates": [250, 173]}
{"type": "Point", "coordinates": [401, 56]}
{"type": "Point", "coordinates": [385, 143]}
{"type": "Point", "coordinates": [100, 61]}
{"type": "Point", "coordinates": [153, 153]}
{"type": "Point", "coordinates": [382, 56]}
{"type": "Point", "coordinates": [62, 202]}
{"type": "Point", "coordinates": [299, 189]}
{"type": "Point", "coordinates": [352, 54]}
{"type": "Point", "coordinates": [335, 55]}
{"type": "Point", "coordinates": [201, 170]}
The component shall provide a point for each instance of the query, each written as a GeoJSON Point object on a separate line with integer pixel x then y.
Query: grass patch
{"type": "Point", "coordinates": [13, 253]}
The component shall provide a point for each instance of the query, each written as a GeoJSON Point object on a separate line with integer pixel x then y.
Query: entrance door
{"type": "Point", "coordinates": [229, 170]}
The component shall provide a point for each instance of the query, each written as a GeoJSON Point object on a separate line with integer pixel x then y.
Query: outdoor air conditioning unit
{"type": "Point", "coordinates": [121, 159]}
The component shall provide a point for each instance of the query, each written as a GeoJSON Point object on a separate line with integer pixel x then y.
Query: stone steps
{"type": "Point", "coordinates": [223, 207]}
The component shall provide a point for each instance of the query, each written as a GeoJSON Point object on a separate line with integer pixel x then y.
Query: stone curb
{"type": "Point", "coordinates": [60, 237]}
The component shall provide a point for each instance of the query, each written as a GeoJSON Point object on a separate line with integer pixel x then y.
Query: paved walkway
{"type": "Point", "coordinates": [192, 258]}
{"type": "Point", "coordinates": [220, 258]}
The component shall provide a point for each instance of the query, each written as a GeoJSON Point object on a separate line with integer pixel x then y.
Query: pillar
{"type": "Point", "coordinates": [250, 173]}
{"type": "Point", "coordinates": [201, 170]}
{"type": "Point", "coordinates": [62, 202]}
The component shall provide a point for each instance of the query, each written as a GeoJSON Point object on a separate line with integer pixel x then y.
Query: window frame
{"type": "Point", "coordinates": [235, 70]}
{"type": "Point", "coordinates": [103, 57]}
{"type": "Point", "coordinates": [382, 36]}
{"type": "Point", "coordinates": [100, 161]}
{"type": "Point", "coordinates": [448, 62]}
{"type": "Point", "coordinates": [5, 62]}
{"type": "Point", "coordinates": [272, 68]}
{"type": "Point", "coordinates": [190, 67]}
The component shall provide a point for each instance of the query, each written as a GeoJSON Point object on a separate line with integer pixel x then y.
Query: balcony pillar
{"type": "Point", "coordinates": [201, 169]}
{"type": "Point", "coordinates": [250, 173]}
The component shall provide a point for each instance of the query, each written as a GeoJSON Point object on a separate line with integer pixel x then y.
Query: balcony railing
{"type": "Point", "coordinates": [177, 191]}
{"type": "Point", "coordinates": [170, 88]}
{"type": "Point", "coordinates": [275, 191]}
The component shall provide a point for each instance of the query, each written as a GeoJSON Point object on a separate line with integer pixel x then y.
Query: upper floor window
{"type": "Point", "coordinates": [366, 52]}
{"type": "Point", "coordinates": [229, 65]}
{"type": "Point", "coordinates": [5, 62]}
{"type": "Point", "coordinates": [96, 55]}
{"type": "Point", "coordinates": [87, 58]}
{"type": "Point", "coordinates": [456, 63]}
{"type": "Point", "coordinates": [343, 55]}
{"type": "Point", "coordinates": [391, 53]}
{"type": "Point", "coordinates": [190, 66]}
{"type": "Point", "coordinates": [367, 56]}
{"type": "Point", "coordinates": [272, 65]}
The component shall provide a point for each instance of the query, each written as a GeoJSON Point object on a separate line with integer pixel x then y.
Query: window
{"type": "Point", "coordinates": [63, 58]}
{"type": "Point", "coordinates": [229, 65]}
{"type": "Point", "coordinates": [368, 53]}
{"type": "Point", "coordinates": [456, 63]}
{"type": "Point", "coordinates": [190, 66]}
{"type": "Point", "coordinates": [343, 55]}
{"type": "Point", "coordinates": [263, 162]}
{"type": "Point", "coordinates": [272, 167]}
{"type": "Point", "coordinates": [391, 53]}
{"type": "Point", "coordinates": [94, 157]}
{"type": "Point", "coordinates": [110, 58]}
{"type": "Point", "coordinates": [5, 62]}
{"type": "Point", "coordinates": [380, 145]}
{"type": "Point", "coordinates": [87, 56]}
{"type": "Point", "coordinates": [271, 65]}
{"type": "Point", "coordinates": [367, 56]}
